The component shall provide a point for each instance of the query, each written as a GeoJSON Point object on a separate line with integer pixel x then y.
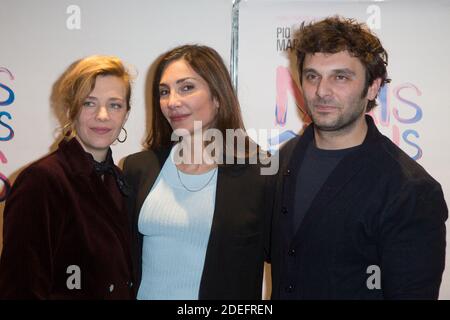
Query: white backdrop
{"type": "Point", "coordinates": [40, 39]}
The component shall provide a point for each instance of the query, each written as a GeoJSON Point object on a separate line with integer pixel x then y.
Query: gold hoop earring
{"type": "Point", "coordinates": [66, 129]}
{"type": "Point", "coordinates": [126, 136]}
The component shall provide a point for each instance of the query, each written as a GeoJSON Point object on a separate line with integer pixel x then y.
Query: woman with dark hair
{"type": "Point", "coordinates": [198, 224]}
{"type": "Point", "coordinates": [66, 230]}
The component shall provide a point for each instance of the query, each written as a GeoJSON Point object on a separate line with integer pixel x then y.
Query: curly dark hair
{"type": "Point", "coordinates": [335, 34]}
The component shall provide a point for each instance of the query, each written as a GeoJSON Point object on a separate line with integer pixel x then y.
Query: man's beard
{"type": "Point", "coordinates": [342, 121]}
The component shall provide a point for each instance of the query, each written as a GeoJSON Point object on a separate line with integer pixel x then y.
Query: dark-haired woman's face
{"type": "Point", "coordinates": [186, 99]}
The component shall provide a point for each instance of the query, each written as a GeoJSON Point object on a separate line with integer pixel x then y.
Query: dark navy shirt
{"type": "Point", "coordinates": [314, 171]}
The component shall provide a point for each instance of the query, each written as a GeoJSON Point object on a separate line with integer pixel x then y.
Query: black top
{"type": "Point", "coordinates": [314, 171]}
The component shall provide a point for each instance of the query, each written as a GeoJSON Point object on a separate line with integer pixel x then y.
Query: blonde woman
{"type": "Point", "coordinates": [65, 226]}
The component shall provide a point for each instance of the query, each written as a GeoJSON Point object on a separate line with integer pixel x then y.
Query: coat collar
{"type": "Point", "coordinates": [75, 157]}
{"type": "Point", "coordinates": [79, 161]}
{"type": "Point", "coordinates": [80, 165]}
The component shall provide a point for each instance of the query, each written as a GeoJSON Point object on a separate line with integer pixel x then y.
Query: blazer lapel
{"type": "Point", "coordinates": [150, 174]}
{"type": "Point", "coordinates": [218, 225]}
{"type": "Point", "coordinates": [288, 176]}
{"type": "Point", "coordinates": [105, 199]}
{"type": "Point", "coordinates": [220, 204]}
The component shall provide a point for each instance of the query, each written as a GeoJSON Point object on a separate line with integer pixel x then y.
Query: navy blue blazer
{"type": "Point", "coordinates": [378, 210]}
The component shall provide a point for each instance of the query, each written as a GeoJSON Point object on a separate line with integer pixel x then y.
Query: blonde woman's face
{"type": "Point", "coordinates": [102, 116]}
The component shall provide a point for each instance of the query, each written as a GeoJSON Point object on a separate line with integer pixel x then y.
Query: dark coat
{"type": "Point", "coordinates": [235, 253]}
{"type": "Point", "coordinates": [377, 208]}
{"type": "Point", "coordinates": [60, 213]}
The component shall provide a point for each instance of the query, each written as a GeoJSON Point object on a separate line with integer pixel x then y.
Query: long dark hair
{"type": "Point", "coordinates": [208, 64]}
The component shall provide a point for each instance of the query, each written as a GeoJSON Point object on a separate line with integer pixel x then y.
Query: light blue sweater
{"type": "Point", "coordinates": [176, 224]}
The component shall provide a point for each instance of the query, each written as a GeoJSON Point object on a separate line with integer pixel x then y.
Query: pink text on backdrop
{"type": "Point", "coordinates": [285, 85]}
{"type": "Point", "coordinates": [387, 115]}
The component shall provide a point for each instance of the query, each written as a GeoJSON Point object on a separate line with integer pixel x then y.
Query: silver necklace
{"type": "Point", "coordinates": [195, 190]}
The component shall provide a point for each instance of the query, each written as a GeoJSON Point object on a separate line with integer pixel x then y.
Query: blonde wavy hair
{"type": "Point", "coordinates": [79, 81]}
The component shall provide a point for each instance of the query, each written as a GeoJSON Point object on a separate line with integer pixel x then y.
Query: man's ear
{"type": "Point", "coordinates": [373, 89]}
